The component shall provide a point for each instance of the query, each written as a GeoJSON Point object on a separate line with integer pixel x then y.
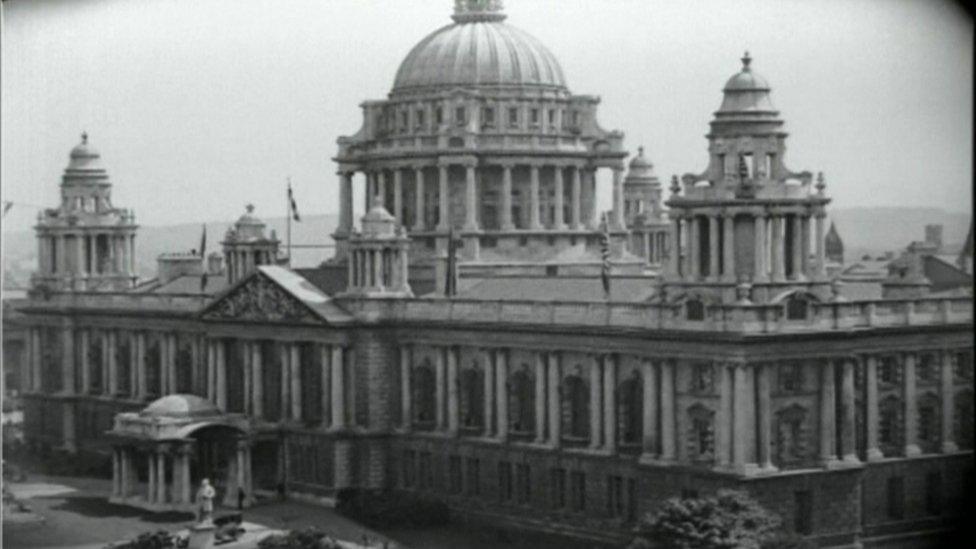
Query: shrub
{"type": "Point", "coordinates": [308, 538]}
{"type": "Point", "coordinates": [391, 509]}
{"type": "Point", "coordinates": [729, 520]}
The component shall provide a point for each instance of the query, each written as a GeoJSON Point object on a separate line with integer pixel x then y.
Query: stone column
{"type": "Point", "coordinates": [728, 247]}
{"type": "Point", "coordinates": [713, 247]}
{"type": "Point", "coordinates": [67, 361]}
{"type": "Point", "coordinates": [948, 403]}
{"type": "Point", "coordinates": [284, 355]}
{"type": "Point", "coordinates": [489, 380]}
{"type": "Point", "coordinates": [805, 246]}
{"type": "Point", "coordinates": [559, 221]}
{"type": "Point", "coordinates": [596, 402]}
{"type": "Point", "coordinates": [406, 410]}
{"type": "Point", "coordinates": [338, 388]}
{"type": "Point", "coordinates": [765, 416]}
{"type": "Point", "coordinates": [398, 195]}
{"type": "Point", "coordinates": [381, 187]}
{"type": "Point", "coordinates": [419, 220]}
{"type": "Point", "coordinates": [506, 205]}
{"type": "Point", "coordinates": [849, 450]}
{"type": "Point", "coordinates": [257, 386]}
{"type": "Point", "coordinates": [345, 202]}
{"type": "Point", "coordinates": [618, 198]}
{"type": "Point", "coordinates": [576, 221]}
{"type": "Point", "coordinates": [453, 403]}
{"type": "Point", "coordinates": [140, 346]}
{"type": "Point", "coordinates": [151, 492]}
{"type": "Point", "coordinates": [828, 453]}
{"type": "Point", "coordinates": [694, 247]}
{"type": "Point", "coordinates": [185, 452]}
{"type": "Point", "coordinates": [555, 408]}
{"type": "Point", "coordinates": [241, 464]}
{"type": "Point", "coordinates": [161, 477]}
{"type": "Point", "coordinates": [325, 387]}
{"type": "Point", "coordinates": [540, 398]}
{"type": "Point", "coordinates": [649, 444]}
{"type": "Point", "coordinates": [248, 375]}
{"type": "Point", "coordinates": [443, 223]}
{"type": "Point", "coordinates": [501, 385]}
{"type": "Point", "coordinates": [777, 248]}
{"type": "Point", "coordinates": [723, 416]}
{"type": "Point", "coordinates": [85, 363]}
{"type": "Point", "coordinates": [674, 251]}
{"type": "Point", "coordinates": [759, 258]}
{"type": "Point", "coordinates": [534, 223]}
{"type": "Point", "coordinates": [871, 407]}
{"type": "Point", "coordinates": [610, 403]}
{"type": "Point", "coordinates": [470, 199]}
{"type": "Point", "coordinates": [798, 259]}
{"type": "Point", "coordinates": [221, 353]}
{"type": "Point", "coordinates": [111, 350]}
{"type": "Point", "coordinates": [116, 474]}
{"type": "Point", "coordinates": [743, 434]}
{"type": "Point", "coordinates": [819, 244]}
{"type": "Point", "coordinates": [911, 407]}
{"type": "Point", "coordinates": [296, 381]}
{"type": "Point", "coordinates": [668, 427]}
{"type": "Point", "coordinates": [440, 393]}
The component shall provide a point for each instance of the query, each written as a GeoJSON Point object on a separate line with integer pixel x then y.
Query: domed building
{"type": "Point", "coordinates": [643, 213]}
{"type": "Point", "coordinates": [86, 243]}
{"type": "Point", "coordinates": [480, 133]}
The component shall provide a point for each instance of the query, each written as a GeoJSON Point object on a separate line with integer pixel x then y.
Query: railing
{"type": "Point", "coordinates": [123, 301]}
{"type": "Point", "coordinates": [765, 318]}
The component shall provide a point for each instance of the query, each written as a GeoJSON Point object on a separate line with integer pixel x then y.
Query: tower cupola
{"type": "Point", "coordinates": [378, 265]}
{"type": "Point", "coordinates": [246, 247]}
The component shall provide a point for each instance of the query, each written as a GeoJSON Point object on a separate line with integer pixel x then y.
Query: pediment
{"type": "Point", "coordinates": [260, 299]}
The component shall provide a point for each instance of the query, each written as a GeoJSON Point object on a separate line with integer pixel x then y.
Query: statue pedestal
{"type": "Point", "coordinates": [202, 535]}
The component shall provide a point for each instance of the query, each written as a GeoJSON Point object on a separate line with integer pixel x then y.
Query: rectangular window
{"type": "Point", "coordinates": [534, 116]}
{"type": "Point", "coordinates": [745, 168]}
{"type": "Point", "coordinates": [489, 116]}
{"type": "Point", "coordinates": [721, 165]}
{"type": "Point", "coordinates": [420, 117]}
{"type": "Point", "coordinates": [770, 162]}
{"type": "Point", "coordinates": [803, 519]}
{"type": "Point", "coordinates": [439, 115]}
{"type": "Point", "coordinates": [524, 482]}
{"type": "Point", "coordinates": [576, 118]}
{"type": "Point", "coordinates": [474, 477]}
{"type": "Point", "coordinates": [933, 493]}
{"type": "Point", "coordinates": [403, 119]}
{"type": "Point", "coordinates": [459, 116]}
{"type": "Point", "coordinates": [577, 483]}
{"type": "Point", "coordinates": [896, 498]}
{"type": "Point", "coordinates": [557, 487]}
{"type": "Point", "coordinates": [513, 116]}
{"type": "Point", "coordinates": [504, 480]}
{"type": "Point", "coordinates": [552, 117]}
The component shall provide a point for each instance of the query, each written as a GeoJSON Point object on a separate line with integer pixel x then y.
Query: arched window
{"type": "Point", "coordinates": [963, 419]}
{"type": "Point", "coordinates": [472, 397]}
{"type": "Point", "coordinates": [929, 425]}
{"type": "Point", "coordinates": [792, 437]}
{"type": "Point", "coordinates": [424, 389]}
{"type": "Point", "coordinates": [695, 309]}
{"type": "Point", "coordinates": [891, 426]}
{"type": "Point", "coordinates": [797, 307]}
{"type": "Point", "coordinates": [630, 410]}
{"type": "Point", "coordinates": [701, 434]}
{"type": "Point", "coordinates": [521, 401]}
{"type": "Point", "coordinates": [576, 408]}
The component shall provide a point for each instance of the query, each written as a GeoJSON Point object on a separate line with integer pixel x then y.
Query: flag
{"type": "Point", "coordinates": [605, 252]}
{"type": "Point", "coordinates": [450, 285]}
{"type": "Point", "coordinates": [294, 206]}
{"type": "Point", "coordinates": [203, 242]}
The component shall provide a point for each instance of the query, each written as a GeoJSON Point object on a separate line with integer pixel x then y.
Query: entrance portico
{"type": "Point", "coordinates": [161, 452]}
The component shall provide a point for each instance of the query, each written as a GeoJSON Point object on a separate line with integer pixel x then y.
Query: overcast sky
{"type": "Point", "coordinates": [200, 106]}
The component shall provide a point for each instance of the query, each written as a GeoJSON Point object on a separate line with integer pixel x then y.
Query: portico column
{"type": "Point", "coordinates": [151, 464]}
{"type": "Point", "coordinates": [419, 220]}
{"type": "Point", "coordinates": [248, 375]}
{"type": "Point", "coordinates": [68, 361]}
{"type": "Point", "coordinates": [668, 427]}
{"type": "Point", "coordinates": [406, 410]}
{"type": "Point", "coordinates": [849, 450]}
{"type": "Point", "coordinates": [797, 246]}
{"type": "Point", "coordinates": [221, 375]}
{"type": "Point", "coordinates": [489, 379]}
{"type": "Point", "coordinates": [470, 199]}
{"type": "Point", "coordinates": [141, 364]}
{"type": "Point", "coordinates": [381, 187]}
{"type": "Point", "coordinates": [618, 198]}
{"type": "Point", "coordinates": [453, 408]}
{"type": "Point", "coordinates": [398, 196]}
{"type": "Point", "coordinates": [743, 434]}
{"type": "Point", "coordinates": [534, 198]}
{"type": "Point", "coordinates": [185, 476]}
{"type": "Point", "coordinates": [596, 408]}
{"type": "Point", "coordinates": [161, 477]}
{"type": "Point", "coordinates": [805, 246]}
{"type": "Point", "coordinates": [760, 249]}
{"type": "Point", "coordinates": [610, 403]}
{"type": "Point", "coordinates": [911, 407]}
{"type": "Point", "coordinates": [559, 221]}
{"type": "Point", "coordinates": [85, 363]}
{"type": "Point", "coordinates": [764, 398]}
{"type": "Point", "coordinates": [649, 446]}
{"type": "Point", "coordinates": [345, 202]}
{"type": "Point", "coordinates": [555, 406]}
{"type": "Point", "coordinates": [694, 246]}
{"type": "Point", "coordinates": [338, 388]}
{"type": "Point", "coordinates": [325, 385]}
{"type": "Point", "coordinates": [116, 473]}
{"type": "Point", "coordinates": [284, 354]}
{"type": "Point", "coordinates": [819, 244]}
{"type": "Point", "coordinates": [440, 394]}
{"type": "Point", "coordinates": [576, 200]}
{"type": "Point", "coordinates": [674, 251]}
{"type": "Point", "coordinates": [948, 403]}
{"type": "Point", "coordinates": [540, 398]}
{"type": "Point", "coordinates": [257, 383]}
{"type": "Point", "coordinates": [713, 248]}
{"type": "Point", "coordinates": [728, 247]}
{"type": "Point", "coordinates": [506, 206]}
{"type": "Point", "coordinates": [871, 407]}
{"type": "Point", "coordinates": [777, 248]}
{"type": "Point", "coordinates": [296, 381]}
{"type": "Point", "coordinates": [501, 390]}
{"type": "Point", "coordinates": [111, 350]}
{"type": "Point", "coordinates": [828, 417]}
{"type": "Point", "coordinates": [241, 464]}
{"type": "Point", "coordinates": [723, 416]}
{"type": "Point", "coordinates": [443, 196]}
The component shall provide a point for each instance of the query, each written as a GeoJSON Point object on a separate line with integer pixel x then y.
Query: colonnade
{"type": "Point", "coordinates": [706, 239]}
{"type": "Point", "coordinates": [240, 262]}
{"type": "Point", "coordinates": [580, 180]}
{"type": "Point", "coordinates": [78, 253]}
{"type": "Point", "coordinates": [651, 245]}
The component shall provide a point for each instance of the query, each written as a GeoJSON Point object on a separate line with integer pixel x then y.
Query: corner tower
{"type": "Point", "coordinates": [85, 244]}
{"type": "Point", "coordinates": [745, 225]}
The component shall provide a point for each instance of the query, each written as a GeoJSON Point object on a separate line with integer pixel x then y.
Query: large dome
{"type": "Point", "coordinates": [479, 50]}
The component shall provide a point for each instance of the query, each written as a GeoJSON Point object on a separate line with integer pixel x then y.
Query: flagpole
{"type": "Point", "coordinates": [288, 217]}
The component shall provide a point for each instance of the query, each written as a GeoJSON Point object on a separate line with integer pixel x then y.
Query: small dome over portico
{"type": "Point", "coordinates": [180, 406]}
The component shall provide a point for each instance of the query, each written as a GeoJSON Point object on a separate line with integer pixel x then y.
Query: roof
{"type": "Point", "coordinates": [558, 288]}
{"type": "Point", "coordinates": [301, 289]}
{"type": "Point", "coordinates": [188, 284]}
{"type": "Point", "coordinates": [746, 91]}
{"type": "Point", "coordinates": [479, 50]}
{"type": "Point", "coordinates": [180, 406]}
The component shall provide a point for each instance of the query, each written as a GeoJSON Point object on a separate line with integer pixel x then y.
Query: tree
{"type": "Point", "coordinates": [728, 520]}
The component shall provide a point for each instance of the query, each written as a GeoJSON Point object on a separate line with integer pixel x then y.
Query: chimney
{"type": "Point", "coordinates": [933, 235]}
{"type": "Point", "coordinates": [170, 266]}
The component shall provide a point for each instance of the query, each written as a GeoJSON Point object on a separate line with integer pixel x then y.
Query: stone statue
{"type": "Point", "coordinates": [205, 497]}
